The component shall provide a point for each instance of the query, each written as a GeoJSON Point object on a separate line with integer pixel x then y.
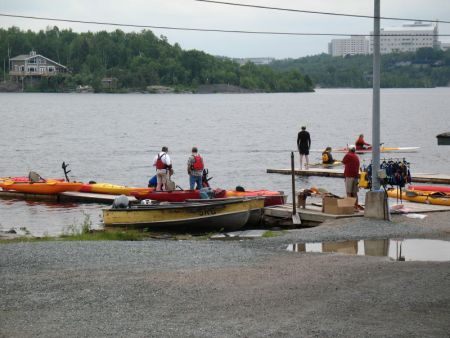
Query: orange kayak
{"type": "Point", "coordinates": [50, 187]}
{"type": "Point", "coordinates": [271, 197]}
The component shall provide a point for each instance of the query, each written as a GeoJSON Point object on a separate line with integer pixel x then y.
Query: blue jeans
{"type": "Point", "coordinates": [195, 179]}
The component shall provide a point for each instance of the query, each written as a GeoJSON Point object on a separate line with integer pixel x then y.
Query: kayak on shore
{"type": "Point", "coordinates": [436, 198]}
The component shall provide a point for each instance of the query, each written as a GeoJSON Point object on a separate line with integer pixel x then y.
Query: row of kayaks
{"type": "Point", "coordinates": [56, 186]}
{"type": "Point", "coordinates": [429, 194]}
{"type": "Point", "coordinates": [383, 149]}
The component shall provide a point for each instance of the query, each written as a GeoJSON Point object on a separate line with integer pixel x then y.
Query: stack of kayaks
{"type": "Point", "coordinates": [112, 189]}
{"type": "Point", "coordinates": [270, 197]}
{"type": "Point", "coordinates": [431, 194]}
{"type": "Point", "coordinates": [42, 187]}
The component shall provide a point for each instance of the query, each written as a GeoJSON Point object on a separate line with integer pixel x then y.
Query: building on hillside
{"type": "Point", "coordinates": [407, 38]}
{"type": "Point", "coordinates": [34, 66]}
{"type": "Point", "coordinates": [354, 45]}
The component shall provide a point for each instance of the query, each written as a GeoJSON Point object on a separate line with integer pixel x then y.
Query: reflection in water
{"type": "Point", "coordinates": [400, 250]}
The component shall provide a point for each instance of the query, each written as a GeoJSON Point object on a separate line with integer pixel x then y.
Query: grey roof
{"type": "Point", "coordinates": [24, 57]}
{"type": "Point", "coordinates": [21, 57]}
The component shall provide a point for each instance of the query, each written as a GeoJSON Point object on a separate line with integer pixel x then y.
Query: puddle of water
{"type": "Point", "coordinates": [399, 250]}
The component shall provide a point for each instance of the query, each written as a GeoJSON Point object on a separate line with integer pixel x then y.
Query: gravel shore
{"type": "Point", "coordinates": [247, 288]}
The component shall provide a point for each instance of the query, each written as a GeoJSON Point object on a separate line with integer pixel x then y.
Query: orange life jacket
{"type": "Point", "coordinates": [198, 163]}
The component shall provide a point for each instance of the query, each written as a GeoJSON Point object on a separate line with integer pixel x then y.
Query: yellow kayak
{"type": "Point", "coordinates": [112, 189]}
{"type": "Point", "coordinates": [421, 196]}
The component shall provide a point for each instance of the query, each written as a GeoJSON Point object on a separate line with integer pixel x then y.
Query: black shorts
{"type": "Point", "coordinates": [303, 150]}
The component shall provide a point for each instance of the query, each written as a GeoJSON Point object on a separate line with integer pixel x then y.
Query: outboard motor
{"type": "Point", "coordinates": [121, 202]}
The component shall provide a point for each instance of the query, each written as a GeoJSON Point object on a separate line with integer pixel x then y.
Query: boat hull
{"type": "Point", "coordinates": [227, 215]}
{"type": "Point", "coordinates": [50, 187]}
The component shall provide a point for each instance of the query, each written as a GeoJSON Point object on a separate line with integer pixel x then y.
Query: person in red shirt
{"type": "Point", "coordinates": [361, 144]}
{"type": "Point", "coordinates": [351, 173]}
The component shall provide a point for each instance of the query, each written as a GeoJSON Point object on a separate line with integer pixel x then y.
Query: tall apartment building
{"type": "Point", "coordinates": [354, 45]}
{"type": "Point", "coordinates": [407, 38]}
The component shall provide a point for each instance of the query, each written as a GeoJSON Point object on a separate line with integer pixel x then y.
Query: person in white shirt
{"type": "Point", "coordinates": [163, 167]}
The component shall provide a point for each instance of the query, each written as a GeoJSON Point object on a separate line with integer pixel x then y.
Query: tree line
{"type": "Point", "coordinates": [427, 67]}
{"type": "Point", "coordinates": [138, 60]}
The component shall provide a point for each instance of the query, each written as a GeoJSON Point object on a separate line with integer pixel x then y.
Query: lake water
{"type": "Point", "coordinates": [113, 138]}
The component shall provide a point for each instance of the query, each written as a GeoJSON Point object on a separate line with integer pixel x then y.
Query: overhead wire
{"type": "Point", "coordinates": [318, 12]}
{"type": "Point", "coordinates": [202, 29]}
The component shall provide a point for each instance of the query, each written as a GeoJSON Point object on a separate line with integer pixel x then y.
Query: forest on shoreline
{"type": "Point", "coordinates": [137, 61]}
{"type": "Point", "coordinates": [426, 68]}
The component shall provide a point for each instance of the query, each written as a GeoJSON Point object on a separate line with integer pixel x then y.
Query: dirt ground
{"type": "Point", "coordinates": [250, 288]}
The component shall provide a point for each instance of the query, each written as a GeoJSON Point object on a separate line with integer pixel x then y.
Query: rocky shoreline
{"type": "Point", "coordinates": [227, 288]}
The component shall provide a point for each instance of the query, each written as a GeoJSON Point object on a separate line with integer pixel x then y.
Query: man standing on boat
{"type": "Point", "coordinates": [303, 144]}
{"type": "Point", "coordinates": [163, 166]}
{"type": "Point", "coordinates": [195, 168]}
{"type": "Point", "coordinates": [351, 173]}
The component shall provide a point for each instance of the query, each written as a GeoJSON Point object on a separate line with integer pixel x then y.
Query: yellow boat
{"type": "Point", "coordinates": [227, 214]}
{"type": "Point", "coordinates": [112, 189]}
{"type": "Point", "coordinates": [420, 196]}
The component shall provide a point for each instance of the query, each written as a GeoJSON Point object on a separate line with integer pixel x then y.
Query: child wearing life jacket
{"type": "Point", "coordinates": [327, 158]}
{"type": "Point", "coordinates": [195, 168]}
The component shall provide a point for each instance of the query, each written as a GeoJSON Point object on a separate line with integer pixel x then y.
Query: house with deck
{"type": "Point", "coordinates": [34, 65]}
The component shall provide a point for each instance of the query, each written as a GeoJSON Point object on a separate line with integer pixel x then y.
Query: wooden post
{"type": "Point", "coordinates": [295, 217]}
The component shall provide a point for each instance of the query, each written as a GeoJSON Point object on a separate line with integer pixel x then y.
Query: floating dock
{"type": "Point", "coordinates": [69, 196]}
{"type": "Point", "coordinates": [417, 178]}
{"type": "Point", "coordinates": [312, 215]}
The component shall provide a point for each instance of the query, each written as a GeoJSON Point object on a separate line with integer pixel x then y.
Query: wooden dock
{"type": "Point", "coordinates": [416, 177]}
{"type": "Point", "coordinates": [313, 215]}
{"type": "Point", "coordinates": [69, 196]}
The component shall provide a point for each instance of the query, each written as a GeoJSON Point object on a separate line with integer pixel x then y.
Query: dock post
{"type": "Point", "coordinates": [295, 217]}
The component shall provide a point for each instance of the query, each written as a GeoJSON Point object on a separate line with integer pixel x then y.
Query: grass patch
{"type": "Point", "coordinates": [106, 235]}
{"type": "Point", "coordinates": [270, 233]}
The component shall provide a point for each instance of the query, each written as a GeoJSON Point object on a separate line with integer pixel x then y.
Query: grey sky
{"type": "Point", "coordinates": [189, 13]}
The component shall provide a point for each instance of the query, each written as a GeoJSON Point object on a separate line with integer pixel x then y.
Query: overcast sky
{"type": "Point", "coordinates": [190, 13]}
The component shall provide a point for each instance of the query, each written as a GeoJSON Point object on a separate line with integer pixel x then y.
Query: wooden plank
{"type": "Point", "coordinates": [73, 196]}
{"type": "Point", "coordinates": [417, 177]}
{"type": "Point", "coordinates": [20, 195]}
{"type": "Point", "coordinates": [310, 213]}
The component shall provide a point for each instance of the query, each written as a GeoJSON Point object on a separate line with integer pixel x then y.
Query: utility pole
{"type": "Point", "coordinates": [376, 98]}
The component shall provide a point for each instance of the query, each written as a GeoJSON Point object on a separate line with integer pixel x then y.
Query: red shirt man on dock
{"type": "Point", "coordinates": [351, 173]}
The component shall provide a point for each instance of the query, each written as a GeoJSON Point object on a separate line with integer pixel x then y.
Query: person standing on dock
{"type": "Point", "coordinates": [195, 168]}
{"type": "Point", "coordinates": [303, 144]}
{"type": "Point", "coordinates": [351, 173]}
{"type": "Point", "coordinates": [163, 168]}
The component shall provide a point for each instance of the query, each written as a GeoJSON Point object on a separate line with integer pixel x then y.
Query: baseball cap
{"type": "Point", "coordinates": [351, 147]}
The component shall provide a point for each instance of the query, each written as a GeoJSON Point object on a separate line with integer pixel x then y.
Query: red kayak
{"type": "Point", "coordinates": [167, 196]}
{"type": "Point", "coordinates": [270, 197]}
{"type": "Point", "coordinates": [436, 188]}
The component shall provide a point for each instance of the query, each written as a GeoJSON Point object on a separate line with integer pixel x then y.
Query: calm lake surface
{"type": "Point", "coordinates": [113, 138]}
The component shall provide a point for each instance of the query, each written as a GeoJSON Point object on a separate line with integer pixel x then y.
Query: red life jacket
{"type": "Point", "coordinates": [159, 162]}
{"type": "Point", "coordinates": [198, 163]}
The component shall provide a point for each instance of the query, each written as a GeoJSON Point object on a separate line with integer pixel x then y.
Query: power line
{"type": "Point", "coordinates": [204, 29]}
{"type": "Point", "coordinates": [318, 12]}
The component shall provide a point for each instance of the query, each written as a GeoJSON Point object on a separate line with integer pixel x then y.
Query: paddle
{"type": "Point", "coordinates": [64, 167]}
{"type": "Point", "coordinates": [295, 216]}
